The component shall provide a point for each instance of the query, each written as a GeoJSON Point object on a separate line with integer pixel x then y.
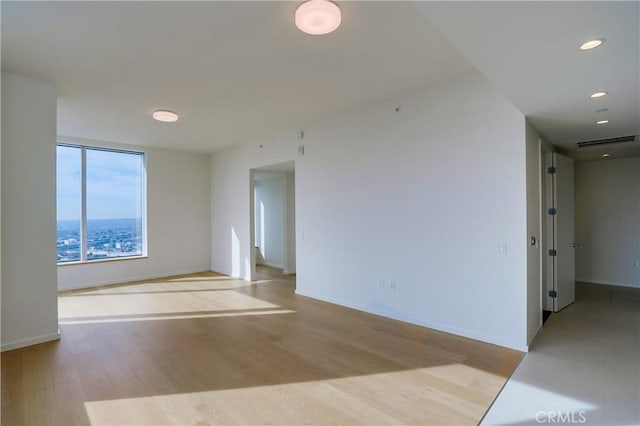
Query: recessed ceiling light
{"type": "Point", "coordinates": [602, 122]}
{"type": "Point", "coordinates": [598, 94]}
{"type": "Point", "coordinates": [591, 44]}
{"type": "Point", "coordinates": [318, 17]}
{"type": "Point", "coordinates": [165, 116]}
{"type": "Point", "coordinates": [606, 155]}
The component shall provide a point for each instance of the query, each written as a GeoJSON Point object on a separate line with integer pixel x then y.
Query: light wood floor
{"type": "Point", "coordinates": [207, 349]}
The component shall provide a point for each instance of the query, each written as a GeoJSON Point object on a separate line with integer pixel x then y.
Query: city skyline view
{"type": "Point", "coordinates": [106, 238]}
{"type": "Point", "coordinates": [114, 203]}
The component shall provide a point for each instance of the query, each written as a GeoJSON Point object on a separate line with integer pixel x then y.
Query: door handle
{"type": "Point", "coordinates": [575, 245]}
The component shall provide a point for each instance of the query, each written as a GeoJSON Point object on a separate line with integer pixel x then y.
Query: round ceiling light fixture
{"type": "Point", "coordinates": [602, 122]}
{"type": "Point", "coordinates": [165, 116]}
{"type": "Point", "coordinates": [606, 154]}
{"type": "Point", "coordinates": [318, 17]}
{"type": "Point", "coordinates": [591, 44]}
{"type": "Point", "coordinates": [598, 94]}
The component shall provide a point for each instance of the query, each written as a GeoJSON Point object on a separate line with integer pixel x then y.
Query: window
{"type": "Point", "coordinates": [100, 203]}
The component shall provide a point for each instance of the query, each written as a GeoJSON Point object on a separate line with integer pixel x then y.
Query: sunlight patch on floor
{"type": "Point", "coordinates": [186, 315]}
{"type": "Point", "coordinates": [182, 284]}
{"type": "Point", "coordinates": [138, 304]}
{"type": "Point", "coordinates": [546, 402]}
{"type": "Point", "coordinates": [348, 400]}
{"type": "Point", "coordinates": [207, 278]}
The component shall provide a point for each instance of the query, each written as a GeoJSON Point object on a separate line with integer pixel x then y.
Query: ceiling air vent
{"type": "Point", "coordinates": [599, 142]}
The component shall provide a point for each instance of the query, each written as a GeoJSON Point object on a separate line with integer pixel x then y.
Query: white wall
{"type": "Point", "coordinates": [290, 224]}
{"type": "Point", "coordinates": [431, 198]}
{"type": "Point", "coordinates": [269, 216]}
{"type": "Point", "coordinates": [231, 201]}
{"type": "Point", "coordinates": [0, 226]}
{"type": "Point", "coordinates": [178, 223]}
{"type": "Point", "coordinates": [608, 221]}
{"type": "Point", "coordinates": [534, 230]}
{"type": "Point", "coordinates": [29, 293]}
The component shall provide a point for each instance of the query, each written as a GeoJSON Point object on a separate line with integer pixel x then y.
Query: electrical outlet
{"type": "Point", "coordinates": [637, 264]}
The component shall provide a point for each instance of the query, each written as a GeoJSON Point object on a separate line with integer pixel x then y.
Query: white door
{"type": "Point", "coordinates": [562, 218]}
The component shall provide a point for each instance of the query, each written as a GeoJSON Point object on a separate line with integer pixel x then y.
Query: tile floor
{"type": "Point", "coordinates": [583, 367]}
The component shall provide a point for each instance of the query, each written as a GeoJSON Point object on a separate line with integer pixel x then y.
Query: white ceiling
{"type": "Point", "coordinates": [530, 52]}
{"type": "Point", "coordinates": [236, 71]}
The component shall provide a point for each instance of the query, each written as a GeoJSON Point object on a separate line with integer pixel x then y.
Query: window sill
{"type": "Point", "coordinates": [113, 259]}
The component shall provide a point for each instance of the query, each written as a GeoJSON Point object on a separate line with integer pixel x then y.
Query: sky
{"type": "Point", "coordinates": [114, 184]}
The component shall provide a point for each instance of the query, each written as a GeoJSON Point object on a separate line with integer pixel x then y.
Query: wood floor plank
{"type": "Point", "coordinates": [95, 381]}
{"type": "Point", "coordinates": [12, 388]}
{"type": "Point", "coordinates": [67, 384]}
{"type": "Point", "coordinates": [40, 406]}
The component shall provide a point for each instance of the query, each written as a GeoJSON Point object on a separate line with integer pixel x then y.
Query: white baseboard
{"type": "Point", "coordinates": [400, 317]}
{"type": "Point", "coordinates": [29, 342]}
{"type": "Point", "coordinates": [616, 284]}
{"type": "Point", "coordinates": [534, 336]}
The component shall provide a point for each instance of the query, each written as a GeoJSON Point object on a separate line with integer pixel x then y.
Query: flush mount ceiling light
{"type": "Point", "coordinates": [605, 155]}
{"type": "Point", "coordinates": [592, 44]}
{"type": "Point", "coordinates": [602, 122]}
{"type": "Point", "coordinates": [165, 116]}
{"type": "Point", "coordinates": [598, 94]}
{"type": "Point", "coordinates": [318, 17]}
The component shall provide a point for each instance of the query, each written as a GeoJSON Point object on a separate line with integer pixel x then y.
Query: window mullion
{"type": "Point", "coordinates": [83, 222]}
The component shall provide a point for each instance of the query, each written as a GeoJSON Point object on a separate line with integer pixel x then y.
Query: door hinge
{"type": "Point", "coordinates": [553, 252]}
{"type": "Point", "coordinates": [551, 170]}
{"type": "Point", "coordinates": [553, 211]}
{"type": "Point", "coordinates": [553, 293]}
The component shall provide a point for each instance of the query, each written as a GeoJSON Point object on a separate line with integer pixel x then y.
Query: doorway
{"type": "Point", "coordinates": [272, 218]}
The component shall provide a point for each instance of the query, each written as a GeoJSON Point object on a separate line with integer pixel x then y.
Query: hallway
{"type": "Point", "coordinates": [583, 367]}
